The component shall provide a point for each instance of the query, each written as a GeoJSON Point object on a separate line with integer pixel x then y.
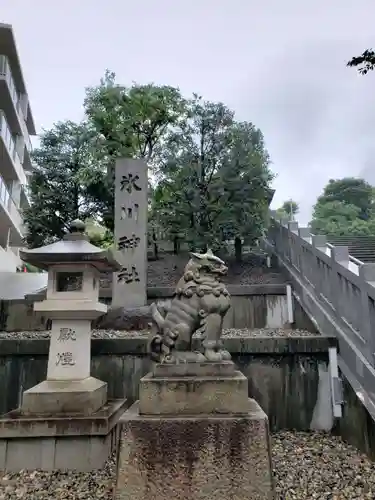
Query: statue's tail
{"type": "Point", "coordinates": [155, 345]}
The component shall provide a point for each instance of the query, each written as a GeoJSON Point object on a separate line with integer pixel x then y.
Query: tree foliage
{"type": "Point", "coordinates": [210, 180]}
{"type": "Point", "coordinates": [130, 122]}
{"type": "Point", "coordinates": [288, 209]}
{"type": "Point", "coordinates": [365, 62]}
{"type": "Point", "coordinates": [58, 192]}
{"type": "Point", "coordinates": [345, 208]}
{"type": "Point", "coordinates": [213, 178]}
{"type": "Point", "coordinates": [352, 191]}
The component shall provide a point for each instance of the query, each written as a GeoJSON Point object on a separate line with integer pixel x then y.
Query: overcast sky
{"type": "Point", "coordinates": [277, 63]}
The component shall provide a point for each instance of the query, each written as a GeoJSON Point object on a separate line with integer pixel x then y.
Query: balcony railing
{"type": "Point", "coordinates": [6, 72]}
{"type": "Point", "coordinates": [8, 203]}
{"type": "Point", "coordinates": [25, 132]}
{"type": "Point", "coordinates": [10, 144]}
{"type": "Point", "coordinates": [6, 134]}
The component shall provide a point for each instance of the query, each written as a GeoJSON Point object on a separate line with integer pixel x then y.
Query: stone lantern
{"type": "Point", "coordinates": [72, 302]}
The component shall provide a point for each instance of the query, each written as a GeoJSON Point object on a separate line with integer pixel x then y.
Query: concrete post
{"type": "Point", "coordinates": [129, 285]}
{"type": "Point", "coordinates": [340, 254]}
{"type": "Point", "coordinates": [367, 278]}
{"type": "Point", "coordinates": [304, 232]}
{"type": "Point", "coordinates": [319, 241]}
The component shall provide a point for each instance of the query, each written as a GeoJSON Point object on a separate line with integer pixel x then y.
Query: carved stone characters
{"type": "Point", "coordinates": [199, 305]}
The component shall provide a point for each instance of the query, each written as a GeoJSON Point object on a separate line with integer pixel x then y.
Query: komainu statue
{"type": "Point", "coordinates": [199, 305]}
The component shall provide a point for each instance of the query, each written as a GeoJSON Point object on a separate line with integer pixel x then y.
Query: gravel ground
{"type": "Point", "coordinates": [122, 334]}
{"type": "Point", "coordinates": [319, 466]}
{"type": "Point", "coordinates": [306, 466]}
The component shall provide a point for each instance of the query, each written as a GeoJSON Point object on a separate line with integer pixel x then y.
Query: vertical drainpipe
{"type": "Point", "coordinates": [335, 382]}
{"type": "Point", "coordinates": [289, 302]}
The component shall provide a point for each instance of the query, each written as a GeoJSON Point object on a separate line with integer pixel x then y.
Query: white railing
{"type": "Point", "coordinates": [338, 292]}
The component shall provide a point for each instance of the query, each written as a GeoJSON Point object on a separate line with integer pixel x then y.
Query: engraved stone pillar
{"type": "Point", "coordinates": [129, 285]}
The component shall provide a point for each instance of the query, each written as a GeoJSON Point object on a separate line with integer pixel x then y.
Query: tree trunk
{"type": "Point", "coordinates": [176, 245]}
{"type": "Point", "coordinates": [155, 245]}
{"type": "Point", "coordinates": [238, 249]}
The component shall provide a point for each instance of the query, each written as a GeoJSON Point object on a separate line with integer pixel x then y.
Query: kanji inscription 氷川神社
{"type": "Point", "coordinates": [124, 242]}
{"type": "Point", "coordinates": [130, 182]}
{"type": "Point", "coordinates": [128, 275]}
{"type": "Point", "coordinates": [131, 188]}
{"type": "Point", "coordinates": [130, 212]}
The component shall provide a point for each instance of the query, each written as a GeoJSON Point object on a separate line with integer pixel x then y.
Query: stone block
{"type": "Point", "coordinates": [195, 458]}
{"type": "Point", "coordinates": [191, 395]}
{"type": "Point", "coordinates": [59, 442]}
{"type": "Point", "coordinates": [194, 369]}
{"type": "Point", "coordinates": [50, 397]}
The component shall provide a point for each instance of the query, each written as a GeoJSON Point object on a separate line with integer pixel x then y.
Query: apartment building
{"type": "Point", "coordinates": [16, 127]}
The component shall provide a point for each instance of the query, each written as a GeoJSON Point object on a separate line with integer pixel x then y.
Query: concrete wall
{"type": "Point", "coordinates": [254, 306]}
{"type": "Point", "coordinates": [283, 373]}
{"type": "Point", "coordinates": [8, 260]}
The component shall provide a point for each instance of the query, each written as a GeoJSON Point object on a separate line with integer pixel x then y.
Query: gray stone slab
{"type": "Point", "coordinates": [50, 397]}
{"type": "Point", "coordinates": [65, 443]}
{"type": "Point", "coordinates": [129, 285]}
{"type": "Point", "coordinates": [194, 369]}
{"type": "Point", "coordinates": [195, 458]}
{"type": "Point", "coordinates": [16, 425]}
{"type": "Point", "coordinates": [186, 395]}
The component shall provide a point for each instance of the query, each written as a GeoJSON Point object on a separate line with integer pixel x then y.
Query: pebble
{"type": "Point", "coordinates": [307, 466]}
{"type": "Point", "coordinates": [320, 466]}
{"type": "Point", "coordinates": [123, 334]}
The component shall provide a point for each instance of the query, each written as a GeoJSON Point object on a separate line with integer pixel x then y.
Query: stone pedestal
{"type": "Point", "coordinates": [73, 397]}
{"type": "Point", "coordinates": [59, 441]}
{"type": "Point", "coordinates": [210, 441]}
{"type": "Point", "coordinates": [69, 387]}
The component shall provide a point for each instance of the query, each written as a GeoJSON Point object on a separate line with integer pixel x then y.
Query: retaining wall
{"type": "Point", "coordinates": [252, 306]}
{"type": "Point", "coordinates": [284, 373]}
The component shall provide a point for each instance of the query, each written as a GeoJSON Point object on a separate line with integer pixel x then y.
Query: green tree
{"type": "Point", "coordinates": [365, 62]}
{"type": "Point", "coordinates": [243, 184]}
{"type": "Point", "coordinates": [58, 185]}
{"type": "Point", "coordinates": [352, 191]}
{"type": "Point", "coordinates": [213, 178]}
{"type": "Point", "coordinates": [333, 217]}
{"type": "Point", "coordinates": [131, 122]}
{"type": "Point", "coordinates": [288, 209]}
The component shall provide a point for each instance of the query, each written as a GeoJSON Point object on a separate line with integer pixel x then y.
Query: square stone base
{"type": "Point", "coordinates": [174, 394]}
{"type": "Point", "coordinates": [195, 458]}
{"type": "Point", "coordinates": [59, 442]}
{"type": "Point", "coordinates": [51, 397]}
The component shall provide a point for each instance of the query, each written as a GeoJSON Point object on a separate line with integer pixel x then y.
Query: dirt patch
{"type": "Point", "coordinates": [251, 271]}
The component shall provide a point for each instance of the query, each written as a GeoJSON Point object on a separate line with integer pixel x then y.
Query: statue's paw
{"type": "Point", "coordinates": [212, 355]}
{"type": "Point", "coordinates": [225, 355]}
{"type": "Point", "coordinates": [169, 360]}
